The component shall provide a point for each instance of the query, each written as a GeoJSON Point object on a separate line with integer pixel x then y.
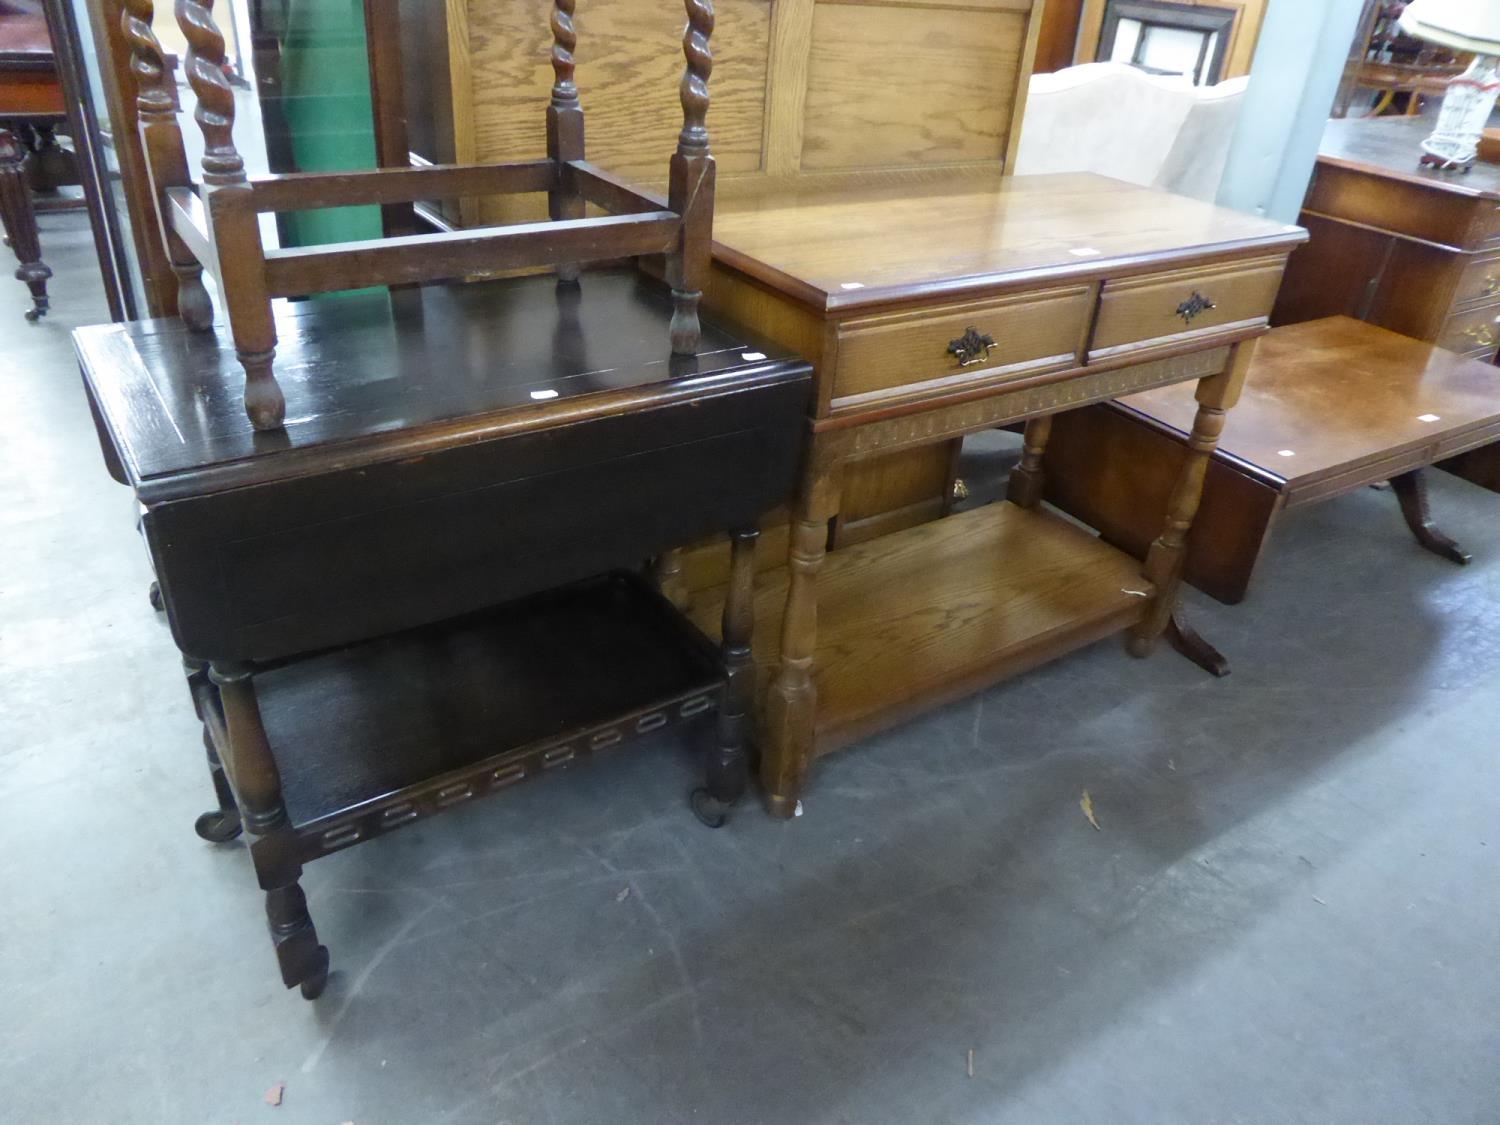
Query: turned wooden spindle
{"type": "Point", "coordinates": [1168, 553]}
{"type": "Point", "coordinates": [258, 782]}
{"type": "Point", "coordinates": [726, 764]}
{"type": "Point", "coordinates": [792, 701]}
{"type": "Point", "coordinates": [564, 122]}
{"type": "Point", "coordinates": [235, 223]}
{"type": "Point", "coordinates": [691, 189]}
{"type": "Point", "coordinates": [1027, 479]}
{"type": "Point", "coordinates": [20, 223]}
{"type": "Point", "coordinates": [161, 139]}
{"type": "Point", "coordinates": [214, 114]}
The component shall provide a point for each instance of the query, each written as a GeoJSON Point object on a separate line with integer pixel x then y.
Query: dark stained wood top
{"type": "Point", "coordinates": [376, 376]}
{"type": "Point", "coordinates": [842, 246]}
{"type": "Point", "coordinates": [1391, 146]}
{"type": "Point", "coordinates": [1336, 393]}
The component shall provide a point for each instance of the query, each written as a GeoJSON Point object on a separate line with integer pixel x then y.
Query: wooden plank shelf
{"type": "Point", "coordinates": [375, 735]}
{"type": "Point", "coordinates": [928, 615]}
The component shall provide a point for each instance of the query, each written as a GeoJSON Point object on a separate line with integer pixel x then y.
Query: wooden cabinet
{"type": "Point", "coordinates": [1415, 252]}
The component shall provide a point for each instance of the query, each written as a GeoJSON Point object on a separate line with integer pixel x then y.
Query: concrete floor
{"type": "Point", "coordinates": [1290, 912]}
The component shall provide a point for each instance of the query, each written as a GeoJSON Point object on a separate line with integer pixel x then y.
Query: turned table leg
{"type": "Point", "coordinates": [1411, 492]}
{"type": "Point", "coordinates": [302, 960]}
{"type": "Point", "coordinates": [791, 703]}
{"type": "Point", "coordinates": [1168, 553]}
{"type": "Point", "coordinates": [19, 217]}
{"type": "Point", "coordinates": [726, 770]}
{"type": "Point", "coordinates": [218, 826]}
{"type": "Point", "coordinates": [1026, 479]}
{"type": "Point", "coordinates": [222, 824]}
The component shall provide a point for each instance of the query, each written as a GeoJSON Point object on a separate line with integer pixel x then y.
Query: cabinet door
{"type": "Point", "coordinates": [1371, 275]}
{"type": "Point", "coordinates": [1335, 273]}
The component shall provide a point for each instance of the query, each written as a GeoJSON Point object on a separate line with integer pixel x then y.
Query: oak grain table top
{"type": "Point", "coordinates": [1325, 396]}
{"type": "Point", "coordinates": [843, 248]}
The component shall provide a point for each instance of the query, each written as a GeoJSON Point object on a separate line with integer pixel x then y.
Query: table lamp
{"type": "Point", "coordinates": [1463, 25]}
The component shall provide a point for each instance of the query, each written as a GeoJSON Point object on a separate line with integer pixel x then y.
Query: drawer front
{"type": "Point", "coordinates": [1476, 332]}
{"type": "Point", "coordinates": [934, 351]}
{"type": "Point", "coordinates": [1163, 308]}
{"type": "Point", "coordinates": [1480, 281]}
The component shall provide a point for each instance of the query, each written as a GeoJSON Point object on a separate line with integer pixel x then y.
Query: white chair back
{"type": "Point", "coordinates": [1119, 121]}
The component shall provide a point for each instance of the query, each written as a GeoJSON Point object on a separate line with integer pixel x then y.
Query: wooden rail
{"type": "Point", "coordinates": [413, 259]}
{"type": "Point", "coordinates": [307, 191]}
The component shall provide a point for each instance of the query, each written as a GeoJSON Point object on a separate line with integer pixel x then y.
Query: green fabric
{"type": "Point", "coordinates": [326, 102]}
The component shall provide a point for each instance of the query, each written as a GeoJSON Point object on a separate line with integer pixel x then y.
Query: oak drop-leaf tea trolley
{"type": "Point", "coordinates": [417, 573]}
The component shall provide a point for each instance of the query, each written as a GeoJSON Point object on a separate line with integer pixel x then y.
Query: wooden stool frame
{"type": "Point", "coordinates": [215, 225]}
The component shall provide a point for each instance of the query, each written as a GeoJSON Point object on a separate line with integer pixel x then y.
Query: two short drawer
{"type": "Point", "coordinates": [934, 352]}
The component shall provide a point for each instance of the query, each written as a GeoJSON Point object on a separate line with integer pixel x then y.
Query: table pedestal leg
{"type": "Point", "coordinates": [1188, 642]}
{"type": "Point", "coordinates": [19, 217]}
{"type": "Point", "coordinates": [1411, 491]}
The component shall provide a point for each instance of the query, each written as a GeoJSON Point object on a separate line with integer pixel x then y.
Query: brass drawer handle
{"type": "Point", "coordinates": [1491, 285]}
{"type": "Point", "coordinates": [1482, 335]}
{"type": "Point", "coordinates": [972, 347]}
{"type": "Point", "coordinates": [1194, 305]}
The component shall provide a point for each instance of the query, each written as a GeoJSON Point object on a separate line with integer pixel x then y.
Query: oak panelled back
{"type": "Point", "coordinates": [799, 86]}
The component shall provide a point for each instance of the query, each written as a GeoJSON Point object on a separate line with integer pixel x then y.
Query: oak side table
{"type": "Point", "coordinates": [934, 306]}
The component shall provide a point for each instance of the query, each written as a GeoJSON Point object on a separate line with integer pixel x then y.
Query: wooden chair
{"type": "Point", "coordinates": [214, 225]}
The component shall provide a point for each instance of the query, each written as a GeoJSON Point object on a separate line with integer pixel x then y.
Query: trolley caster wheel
{"type": "Point", "coordinates": [313, 986]}
{"type": "Point", "coordinates": [154, 595]}
{"type": "Point", "coordinates": [217, 826]}
{"type": "Point", "coordinates": [709, 810]}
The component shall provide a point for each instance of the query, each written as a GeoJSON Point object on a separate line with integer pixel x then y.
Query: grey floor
{"type": "Point", "coordinates": [1290, 911]}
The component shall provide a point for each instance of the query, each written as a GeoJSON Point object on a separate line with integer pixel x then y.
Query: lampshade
{"type": "Point", "coordinates": [1464, 25]}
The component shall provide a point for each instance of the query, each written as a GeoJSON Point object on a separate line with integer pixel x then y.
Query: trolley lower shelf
{"type": "Point", "coordinates": [376, 735]}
